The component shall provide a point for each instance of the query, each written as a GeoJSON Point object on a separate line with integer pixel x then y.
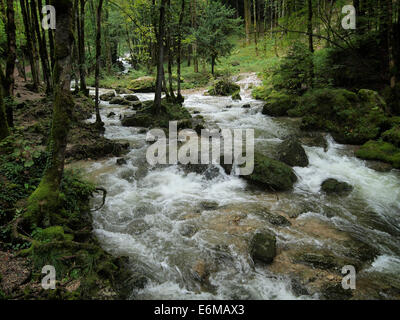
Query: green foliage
{"type": "Point", "coordinates": [380, 150]}
{"type": "Point", "coordinates": [223, 87]}
{"type": "Point", "coordinates": [215, 24]}
{"type": "Point", "coordinates": [294, 73]}
{"type": "Point", "coordinates": [392, 136]}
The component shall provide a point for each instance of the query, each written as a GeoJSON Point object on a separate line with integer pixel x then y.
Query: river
{"type": "Point", "coordinates": [189, 233]}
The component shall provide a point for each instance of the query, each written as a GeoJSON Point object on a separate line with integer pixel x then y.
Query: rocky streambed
{"type": "Point", "coordinates": [206, 234]}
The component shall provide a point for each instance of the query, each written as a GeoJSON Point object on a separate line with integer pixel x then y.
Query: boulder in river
{"type": "Point", "coordinates": [331, 186]}
{"type": "Point", "coordinates": [246, 106]}
{"type": "Point", "coordinates": [263, 247]}
{"type": "Point", "coordinates": [236, 95]}
{"type": "Point", "coordinates": [224, 87]}
{"type": "Point", "coordinates": [136, 105]}
{"type": "Point", "coordinates": [121, 90]}
{"type": "Point", "coordinates": [131, 97]}
{"type": "Point", "coordinates": [111, 114]}
{"type": "Point", "coordinates": [292, 153]}
{"type": "Point", "coordinates": [107, 96]}
{"type": "Point", "coordinates": [271, 174]}
{"type": "Point", "coordinates": [121, 161]}
{"type": "Point", "coordinates": [137, 120]}
{"type": "Point", "coordinates": [143, 84]}
{"type": "Point", "coordinates": [278, 104]}
{"type": "Point", "coordinates": [119, 100]}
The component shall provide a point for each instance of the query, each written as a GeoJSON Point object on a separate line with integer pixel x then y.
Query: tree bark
{"type": "Point", "coordinates": [4, 130]}
{"type": "Point", "coordinates": [390, 40]}
{"type": "Point", "coordinates": [179, 49]}
{"type": "Point", "coordinates": [81, 49]}
{"type": "Point", "coordinates": [247, 19]}
{"type": "Point", "coordinates": [98, 54]}
{"type": "Point", "coordinates": [29, 42]}
{"type": "Point", "coordinates": [43, 203]}
{"type": "Point", "coordinates": [255, 25]}
{"type": "Point", "coordinates": [310, 26]}
{"type": "Point", "coordinates": [193, 9]}
{"type": "Point", "coordinates": [160, 57]}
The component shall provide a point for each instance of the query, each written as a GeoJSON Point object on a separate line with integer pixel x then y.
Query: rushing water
{"type": "Point", "coordinates": [189, 233]}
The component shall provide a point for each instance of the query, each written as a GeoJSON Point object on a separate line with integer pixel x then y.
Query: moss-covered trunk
{"type": "Point", "coordinates": [43, 202]}
{"type": "Point", "coordinates": [4, 131]}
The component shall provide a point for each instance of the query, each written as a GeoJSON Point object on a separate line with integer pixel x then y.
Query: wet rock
{"type": "Point", "coordinates": [121, 90]}
{"type": "Point", "coordinates": [292, 153]}
{"type": "Point", "coordinates": [317, 260]}
{"type": "Point", "coordinates": [188, 230]}
{"type": "Point", "coordinates": [333, 186]}
{"type": "Point", "coordinates": [107, 96]}
{"type": "Point", "coordinates": [314, 139]}
{"type": "Point", "coordinates": [275, 219]}
{"type": "Point", "coordinates": [228, 107]}
{"type": "Point", "coordinates": [196, 112]}
{"type": "Point", "coordinates": [298, 288]}
{"type": "Point", "coordinates": [131, 97]}
{"type": "Point", "coordinates": [121, 161]}
{"type": "Point", "coordinates": [335, 291]}
{"type": "Point", "coordinates": [200, 271]}
{"type": "Point", "coordinates": [137, 120]}
{"type": "Point", "coordinates": [120, 101]}
{"type": "Point", "coordinates": [246, 106]}
{"type": "Point", "coordinates": [209, 205]}
{"type": "Point", "coordinates": [110, 115]}
{"type": "Point", "coordinates": [135, 105]}
{"type": "Point", "coordinates": [263, 247]}
{"type": "Point", "coordinates": [223, 87]}
{"type": "Point", "coordinates": [271, 174]}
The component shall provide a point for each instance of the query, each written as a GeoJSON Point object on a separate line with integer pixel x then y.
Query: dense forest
{"type": "Point", "coordinates": [83, 80]}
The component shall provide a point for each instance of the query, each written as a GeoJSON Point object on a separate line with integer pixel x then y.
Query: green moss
{"type": "Point", "coordinates": [392, 136]}
{"type": "Point", "coordinates": [261, 93]}
{"type": "Point", "coordinates": [380, 150]}
{"type": "Point", "coordinates": [271, 174]}
{"type": "Point", "coordinates": [4, 130]}
{"type": "Point", "coordinates": [278, 104]}
{"type": "Point", "coordinates": [236, 95]}
{"type": "Point", "coordinates": [143, 84]}
{"type": "Point", "coordinates": [223, 87]}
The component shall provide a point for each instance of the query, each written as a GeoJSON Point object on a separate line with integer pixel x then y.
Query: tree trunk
{"type": "Point", "coordinates": [179, 49]}
{"type": "Point", "coordinates": [29, 42]}
{"type": "Point", "coordinates": [247, 19]}
{"type": "Point", "coordinates": [51, 44]}
{"type": "Point", "coordinates": [81, 49]}
{"type": "Point", "coordinates": [255, 25]}
{"type": "Point", "coordinates": [42, 48]}
{"type": "Point", "coordinates": [160, 57]}
{"type": "Point", "coordinates": [98, 54]}
{"type": "Point", "coordinates": [4, 130]}
{"type": "Point", "coordinates": [212, 64]}
{"type": "Point", "coordinates": [43, 203]}
{"type": "Point", "coordinates": [193, 9]}
{"type": "Point", "coordinates": [390, 35]}
{"type": "Point", "coordinates": [10, 62]}
{"type": "Point", "coordinates": [310, 26]}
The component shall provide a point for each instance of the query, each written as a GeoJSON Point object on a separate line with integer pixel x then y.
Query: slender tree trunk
{"type": "Point", "coordinates": [255, 25]}
{"type": "Point", "coordinates": [247, 19]}
{"type": "Point", "coordinates": [310, 26]}
{"type": "Point", "coordinates": [34, 42]}
{"type": "Point", "coordinates": [43, 203]}
{"type": "Point", "coordinates": [4, 130]}
{"type": "Point", "coordinates": [81, 42]}
{"type": "Point", "coordinates": [160, 56]}
{"type": "Point", "coordinates": [42, 48]}
{"type": "Point", "coordinates": [98, 54]}
{"type": "Point", "coordinates": [193, 10]}
{"type": "Point", "coordinates": [390, 35]}
{"type": "Point", "coordinates": [51, 44]}
{"type": "Point", "coordinates": [170, 57]}
{"type": "Point", "coordinates": [179, 49]}
{"type": "Point", "coordinates": [9, 80]}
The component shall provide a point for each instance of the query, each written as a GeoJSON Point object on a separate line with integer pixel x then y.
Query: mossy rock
{"type": "Point", "coordinates": [236, 96]}
{"type": "Point", "coordinates": [120, 101]}
{"type": "Point", "coordinates": [292, 153]}
{"type": "Point", "coordinates": [278, 104]}
{"type": "Point", "coordinates": [392, 136]}
{"type": "Point", "coordinates": [263, 247]}
{"type": "Point", "coordinates": [261, 93]}
{"type": "Point", "coordinates": [351, 118]}
{"type": "Point", "coordinates": [143, 85]}
{"type": "Point", "coordinates": [131, 97]}
{"type": "Point", "coordinates": [107, 96]}
{"type": "Point", "coordinates": [333, 186]}
{"type": "Point", "coordinates": [271, 174]}
{"type": "Point", "coordinates": [381, 151]}
{"type": "Point", "coordinates": [224, 87]}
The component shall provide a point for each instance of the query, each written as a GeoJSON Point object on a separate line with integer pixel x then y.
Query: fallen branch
{"type": "Point", "coordinates": [104, 197]}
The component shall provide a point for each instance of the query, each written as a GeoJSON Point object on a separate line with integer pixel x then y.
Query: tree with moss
{"type": "Point", "coordinates": [43, 203]}
{"type": "Point", "coordinates": [4, 130]}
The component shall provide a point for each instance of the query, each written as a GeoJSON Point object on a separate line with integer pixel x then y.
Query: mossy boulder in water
{"type": "Point", "coordinates": [351, 118]}
{"type": "Point", "coordinates": [278, 104]}
{"type": "Point", "coordinates": [331, 186]}
{"type": "Point", "coordinates": [224, 87]}
{"type": "Point", "coordinates": [107, 96]}
{"type": "Point", "coordinates": [263, 247]}
{"type": "Point", "coordinates": [143, 84]}
{"type": "Point", "coordinates": [292, 153]}
{"type": "Point", "coordinates": [381, 151]}
{"type": "Point", "coordinates": [392, 136]}
{"type": "Point", "coordinates": [271, 174]}
{"type": "Point", "coordinates": [131, 97]}
{"type": "Point", "coordinates": [120, 101]}
{"type": "Point", "coordinates": [236, 95]}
